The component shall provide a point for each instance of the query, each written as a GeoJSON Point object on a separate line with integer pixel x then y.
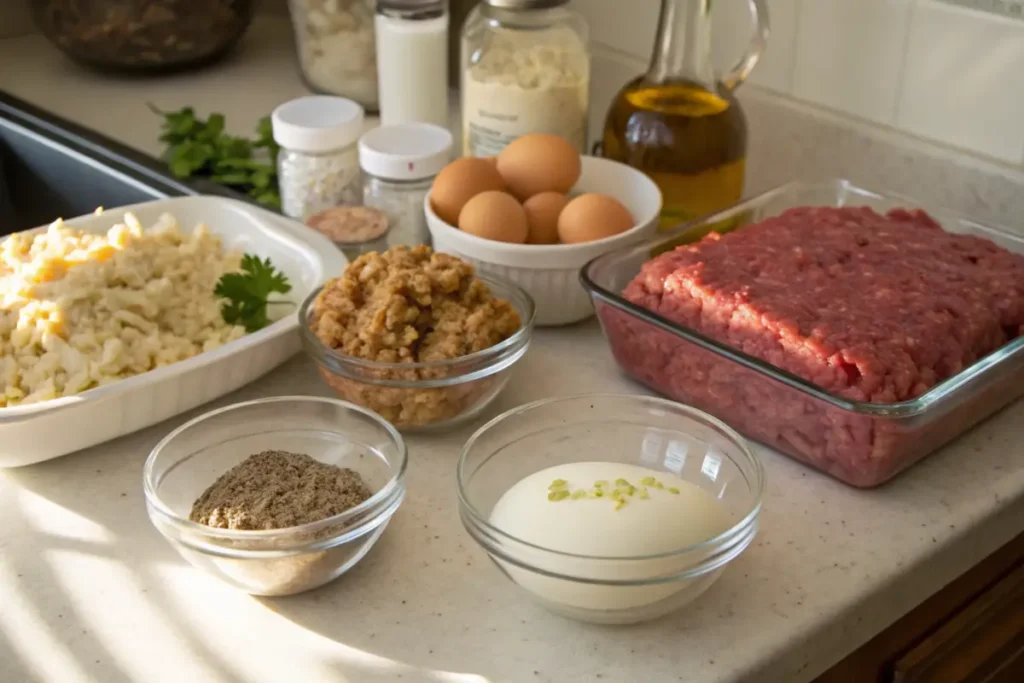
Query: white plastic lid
{"type": "Point", "coordinates": [405, 151]}
{"type": "Point", "coordinates": [317, 123]}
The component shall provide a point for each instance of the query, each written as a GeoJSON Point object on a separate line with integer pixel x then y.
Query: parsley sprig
{"type": "Point", "coordinates": [248, 291]}
{"type": "Point", "coordinates": [202, 148]}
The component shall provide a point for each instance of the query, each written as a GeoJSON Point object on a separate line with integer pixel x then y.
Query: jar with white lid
{"type": "Point", "coordinates": [399, 164]}
{"type": "Point", "coordinates": [525, 69]}
{"type": "Point", "coordinates": [318, 165]}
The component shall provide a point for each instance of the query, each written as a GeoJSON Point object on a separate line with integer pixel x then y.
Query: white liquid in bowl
{"type": "Point", "coordinates": [673, 516]}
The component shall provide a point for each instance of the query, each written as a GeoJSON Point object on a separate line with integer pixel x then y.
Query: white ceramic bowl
{"type": "Point", "coordinates": [550, 273]}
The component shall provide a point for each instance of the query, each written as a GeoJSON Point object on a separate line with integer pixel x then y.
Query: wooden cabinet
{"type": "Point", "coordinates": [972, 631]}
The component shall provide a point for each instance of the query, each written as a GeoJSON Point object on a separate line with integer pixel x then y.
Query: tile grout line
{"type": "Point", "coordinates": [799, 23]}
{"type": "Point", "coordinates": [790, 78]}
{"type": "Point", "coordinates": [904, 57]}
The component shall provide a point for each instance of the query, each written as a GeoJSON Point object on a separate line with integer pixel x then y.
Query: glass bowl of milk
{"type": "Point", "coordinates": [607, 508]}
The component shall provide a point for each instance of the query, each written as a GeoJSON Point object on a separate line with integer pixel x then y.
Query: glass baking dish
{"type": "Point", "coordinates": [862, 444]}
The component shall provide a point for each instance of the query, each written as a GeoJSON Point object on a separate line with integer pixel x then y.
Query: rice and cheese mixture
{"type": "Point", "coordinates": [79, 310]}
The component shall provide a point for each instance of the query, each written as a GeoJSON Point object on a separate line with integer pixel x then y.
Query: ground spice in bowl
{"type": "Point", "coordinates": [277, 490]}
{"type": "Point", "coordinates": [280, 490]}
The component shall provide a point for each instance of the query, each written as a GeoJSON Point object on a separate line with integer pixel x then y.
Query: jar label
{"type": "Point", "coordinates": [495, 114]}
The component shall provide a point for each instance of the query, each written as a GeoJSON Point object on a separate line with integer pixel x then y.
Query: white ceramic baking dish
{"type": "Point", "coordinates": [36, 432]}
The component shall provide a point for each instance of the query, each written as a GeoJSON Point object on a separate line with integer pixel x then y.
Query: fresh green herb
{"type": "Point", "coordinates": [265, 138]}
{"type": "Point", "coordinates": [201, 149]}
{"type": "Point", "coordinates": [248, 291]}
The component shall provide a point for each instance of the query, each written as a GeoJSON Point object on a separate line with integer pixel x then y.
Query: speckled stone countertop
{"type": "Point", "coordinates": [91, 592]}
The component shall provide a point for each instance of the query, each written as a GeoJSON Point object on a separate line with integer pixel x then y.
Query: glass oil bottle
{"type": "Point", "coordinates": [680, 122]}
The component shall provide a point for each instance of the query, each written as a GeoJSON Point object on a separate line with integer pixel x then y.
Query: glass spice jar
{"type": "Point", "coordinates": [399, 163]}
{"type": "Point", "coordinates": [318, 165]}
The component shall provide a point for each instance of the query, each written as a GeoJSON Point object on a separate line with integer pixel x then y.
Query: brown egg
{"type": "Point", "coordinates": [458, 182]}
{"type": "Point", "coordinates": [494, 215]}
{"type": "Point", "coordinates": [592, 217]}
{"type": "Point", "coordinates": [537, 163]}
{"type": "Point", "coordinates": [542, 217]}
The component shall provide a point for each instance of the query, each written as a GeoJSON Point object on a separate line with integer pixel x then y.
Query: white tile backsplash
{"type": "Point", "coordinates": [850, 55]}
{"type": "Point", "coordinates": [628, 26]}
{"type": "Point", "coordinates": [733, 29]}
{"type": "Point", "coordinates": [930, 68]}
{"type": "Point", "coordinates": [964, 80]}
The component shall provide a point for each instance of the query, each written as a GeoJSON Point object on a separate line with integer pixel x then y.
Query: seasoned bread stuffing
{"type": "Point", "coordinates": [410, 305]}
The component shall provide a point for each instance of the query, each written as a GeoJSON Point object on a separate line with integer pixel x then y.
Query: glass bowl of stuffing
{"type": "Point", "coordinates": [277, 496]}
{"type": "Point", "coordinates": [416, 336]}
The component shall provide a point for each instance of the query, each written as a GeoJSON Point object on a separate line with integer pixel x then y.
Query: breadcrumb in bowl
{"type": "Point", "coordinates": [416, 336]}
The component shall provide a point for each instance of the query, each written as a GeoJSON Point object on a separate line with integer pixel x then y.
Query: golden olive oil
{"type": "Point", "coordinates": [691, 141]}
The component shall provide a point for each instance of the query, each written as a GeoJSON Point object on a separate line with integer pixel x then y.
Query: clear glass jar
{"type": "Point", "coordinates": [402, 201]}
{"type": "Point", "coordinates": [318, 165]}
{"type": "Point", "coordinates": [311, 183]}
{"type": "Point", "coordinates": [337, 53]}
{"type": "Point", "coordinates": [525, 69]}
{"type": "Point", "coordinates": [399, 163]}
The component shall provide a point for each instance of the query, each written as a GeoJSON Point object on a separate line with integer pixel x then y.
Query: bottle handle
{"type": "Point", "coordinates": [734, 78]}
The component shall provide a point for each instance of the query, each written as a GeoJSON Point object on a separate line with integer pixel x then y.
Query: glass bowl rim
{"type": "Point", "coordinates": [379, 502]}
{"type": "Point", "coordinates": [320, 352]}
{"type": "Point", "coordinates": [757, 485]}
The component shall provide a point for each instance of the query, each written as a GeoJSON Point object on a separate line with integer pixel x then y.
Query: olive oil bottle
{"type": "Point", "coordinates": [680, 122]}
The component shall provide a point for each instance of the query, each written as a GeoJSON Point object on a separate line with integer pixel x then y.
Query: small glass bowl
{"type": "Point", "coordinates": [639, 430]}
{"type": "Point", "coordinates": [279, 561]}
{"type": "Point", "coordinates": [419, 397]}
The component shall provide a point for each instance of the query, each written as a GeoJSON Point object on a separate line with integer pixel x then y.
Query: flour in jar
{"type": "Point", "coordinates": [526, 83]}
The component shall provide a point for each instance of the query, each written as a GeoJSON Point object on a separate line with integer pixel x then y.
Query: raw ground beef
{"type": "Point", "coordinates": [869, 307]}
